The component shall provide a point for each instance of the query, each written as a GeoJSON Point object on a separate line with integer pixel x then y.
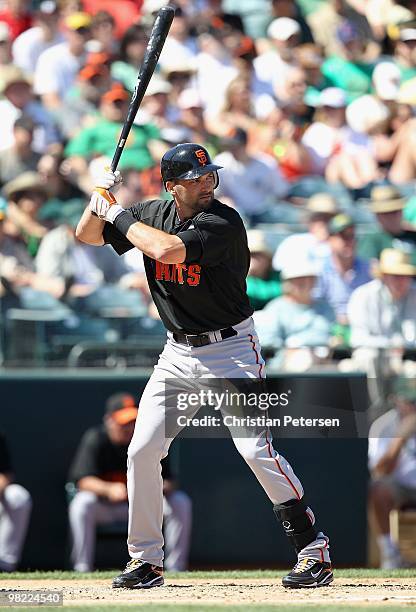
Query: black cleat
{"type": "Point", "coordinates": [309, 573]}
{"type": "Point", "coordinates": [139, 575]}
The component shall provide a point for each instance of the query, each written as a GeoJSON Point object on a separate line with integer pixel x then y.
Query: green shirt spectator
{"type": "Point", "coordinates": [387, 205]}
{"type": "Point", "coordinates": [101, 138]}
{"type": "Point", "coordinates": [263, 283]}
{"type": "Point", "coordinates": [261, 290]}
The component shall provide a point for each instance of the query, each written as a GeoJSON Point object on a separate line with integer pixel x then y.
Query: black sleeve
{"type": "Point", "coordinates": [207, 243]}
{"type": "Point", "coordinates": [86, 460]}
{"type": "Point", "coordinates": [117, 240]}
{"type": "Point", "coordinates": [5, 461]}
{"type": "Point", "coordinates": [113, 236]}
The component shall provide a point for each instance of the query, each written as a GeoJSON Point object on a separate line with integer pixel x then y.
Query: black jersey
{"type": "Point", "coordinates": [208, 291]}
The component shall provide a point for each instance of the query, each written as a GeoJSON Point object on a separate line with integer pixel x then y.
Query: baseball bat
{"type": "Point", "coordinates": [157, 39]}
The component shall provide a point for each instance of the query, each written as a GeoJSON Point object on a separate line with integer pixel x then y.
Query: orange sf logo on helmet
{"type": "Point", "coordinates": [202, 157]}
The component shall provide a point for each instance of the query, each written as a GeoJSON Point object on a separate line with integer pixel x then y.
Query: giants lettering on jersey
{"type": "Point", "coordinates": [178, 273]}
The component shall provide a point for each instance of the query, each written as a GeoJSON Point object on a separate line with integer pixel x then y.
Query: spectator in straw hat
{"type": "Point", "coordinates": [382, 316]}
{"type": "Point", "coordinates": [387, 204]}
{"type": "Point", "coordinates": [295, 321]}
{"type": "Point", "coordinates": [313, 244]}
{"type": "Point", "coordinates": [18, 98]}
{"type": "Point", "coordinates": [342, 271]}
{"type": "Point", "coordinates": [263, 283]}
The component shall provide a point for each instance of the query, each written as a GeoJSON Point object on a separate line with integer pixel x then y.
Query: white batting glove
{"type": "Point", "coordinates": [104, 205]}
{"type": "Point", "coordinates": [106, 179]}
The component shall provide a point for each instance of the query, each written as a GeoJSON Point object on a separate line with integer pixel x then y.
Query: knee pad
{"type": "Point", "coordinates": [296, 522]}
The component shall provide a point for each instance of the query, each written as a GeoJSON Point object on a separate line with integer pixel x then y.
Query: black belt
{"type": "Point", "coordinates": [203, 339]}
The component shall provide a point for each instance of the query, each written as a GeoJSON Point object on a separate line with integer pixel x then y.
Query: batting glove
{"type": "Point", "coordinates": [107, 179]}
{"type": "Point", "coordinates": [104, 205]}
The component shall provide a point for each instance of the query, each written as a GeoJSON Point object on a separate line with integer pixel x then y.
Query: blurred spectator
{"type": "Point", "coordinates": [15, 510]}
{"type": "Point", "coordinates": [132, 49]}
{"type": "Point", "coordinates": [155, 107]}
{"type": "Point", "coordinates": [342, 271]}
{"type": "Point", "coordinates": [80, 107]}
{"type": "Point", "coordinates": [252, 183]}
{"type": "Point", "coordinates": [310, 58]}
{"type": "Point", "coordinates": [238, 110]}
{"type": "Point", "coordinates": [392, 462]}
{"type": "Point", "coordinates": [386, 81]}
{"type": "Point", "coordinates": [103, 32]}
{"type": "Point", "coordinates": [290, 8]}
{"type": "Point", "coordinates": [18, 99]}
{"type": "Point", "coordinates": [45, 33]}
{"type": "Point", "coordinates": [191, 116]}
{"type": "Point", "coordinates": [325, 137]}
{"type": "Point", "coordinates": [349, 68]}
{"type": "Point", "coordinates": [16, 14]}
{"type": "Point", "coordinates": [382, 317]}
{"type": "Point", "coordinates": [295, 321]}
{"type": "Point", "coordinates": [58, 189]}
{"type": "Point", "coordinates": [15, 266]}
{"type": "Point", "coordinates": [382, 312]}
{"type": "Point", "coordinates": [327, 17]}
{"type": "Point", "coordinates": [124, 12]}
{"type": "Point", "coordinates": [20, 157]}
{"type": "Point", "coordinates": [214, 64]}
{"type": "Point", "coordinates": [311, 246]}
{"type": "Point", "coordinates": [99, 472]}
{"type": "Point", "coordinates": [387, 204]}
{"type": "Point", "coordinates": [179, 46]}
{"type": "Point", "coordinates": [142, 147]}
{"type": "Point", "coordinates": [180, 76]}
{"type": "Point", "coordinates": [213, 13]}
{"type": "Point", "coordinates": [271, 66]}
{"type": "Point", "coordinates": [5, 45]}
{"type": "Point", "coordinates": [77, 268]}
{"type": "Point", "coordinates": [263, 283]}
{"type": "Point", "coordinates": [26, 194]}
{"type": "Point", "coordinates": [58, 66]}
{"type": "Point", "coordinates": [404, 41]}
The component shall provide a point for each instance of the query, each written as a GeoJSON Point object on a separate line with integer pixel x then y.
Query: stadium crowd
{"type": "Point", "coordinates": [307, 105]}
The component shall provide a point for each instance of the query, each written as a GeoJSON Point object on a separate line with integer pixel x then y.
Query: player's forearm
{"type": "Point", "coordinates": [94, 485]}
{"type": "Point", "coordinates": [156, 244]}
{"type": "Point", "coordinates": [90, 229]}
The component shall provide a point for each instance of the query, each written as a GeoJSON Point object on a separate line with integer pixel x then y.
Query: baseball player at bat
{"type": "Point", "coordinates": [196, 260]}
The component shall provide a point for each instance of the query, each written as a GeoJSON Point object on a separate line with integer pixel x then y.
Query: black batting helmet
{"type": "Point", "coordinates": [187, 161]}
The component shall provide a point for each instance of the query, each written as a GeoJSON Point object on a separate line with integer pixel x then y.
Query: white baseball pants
{"type": "Point", "coordinates": [236, 357]}
{"type": "Point", "coordinates": [15, 509]}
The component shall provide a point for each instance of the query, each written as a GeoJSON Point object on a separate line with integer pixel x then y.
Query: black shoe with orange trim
{"type": "Point", "coordinates": [309, 573]}
{"type": "Point", "coordinates": [139, 575]}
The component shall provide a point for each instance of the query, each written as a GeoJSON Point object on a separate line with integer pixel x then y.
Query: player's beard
{"type": "Point", "coordinates": [204, 201]}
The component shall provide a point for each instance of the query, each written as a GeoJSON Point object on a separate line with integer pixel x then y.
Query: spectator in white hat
{"type": "Point", "coordinates": [295, 324]}
{"type": "Point", "coordinates": [311, 246]}
{"type": "Point", "coordinates": [271, 66]}
{"type": "Point", "coordinates": [324, 138]}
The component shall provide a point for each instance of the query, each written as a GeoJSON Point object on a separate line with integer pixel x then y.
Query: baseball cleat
{"type": "Point", "coordinates": [309, 573]}
{"type": "Point", "coordinates": [139, 575]}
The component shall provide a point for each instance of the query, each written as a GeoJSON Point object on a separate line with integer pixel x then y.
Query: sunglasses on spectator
{"type": "Point", "coordinates": [347, 236]}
